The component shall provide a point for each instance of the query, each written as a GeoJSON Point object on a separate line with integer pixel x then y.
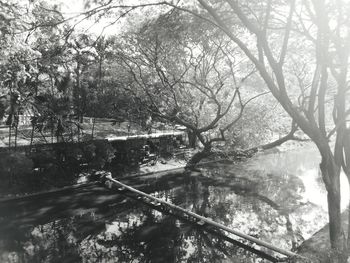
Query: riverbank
{"type": "Point", "coordinates": [27, 183]}
{"type": "Point", "coordinates": [317, 248]}
{"type": "Point", "coordinates": [53, 165]}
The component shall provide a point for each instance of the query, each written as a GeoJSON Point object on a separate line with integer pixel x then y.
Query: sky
{"type": "Point", "coordinates": [72, 8]}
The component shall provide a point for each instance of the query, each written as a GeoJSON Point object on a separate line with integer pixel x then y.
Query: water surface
{"type": "Point", "coordinates": [277, 197]}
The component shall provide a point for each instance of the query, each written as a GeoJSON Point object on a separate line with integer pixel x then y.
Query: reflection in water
{"type": "Point", "coordinates": [303, 163]}
{"type": "Point", "coordinates": [275, 197]}
{"type": "Point", "coordinates": [136, 235]}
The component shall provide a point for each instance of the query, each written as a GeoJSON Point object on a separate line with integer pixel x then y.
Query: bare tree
{"type": "Point", "coordinates": [192, 83]}
{"type": "Point", "coordinates": [323, 23]}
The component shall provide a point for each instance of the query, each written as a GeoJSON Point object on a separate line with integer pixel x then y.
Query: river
{"type": "Point", "coordinates": [275, 196]}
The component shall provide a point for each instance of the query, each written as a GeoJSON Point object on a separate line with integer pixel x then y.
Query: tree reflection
{"type": "Point", "coordinates": [268, 206]}
{"type": "Point", "coordinates": [136, 234]}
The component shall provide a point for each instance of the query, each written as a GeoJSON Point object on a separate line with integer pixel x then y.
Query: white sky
{"type": "Point", "coordinates": [71, 8]}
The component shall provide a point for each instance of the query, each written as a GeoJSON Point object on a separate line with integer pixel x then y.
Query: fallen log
{"type": "Point", "coordinates": [109, 181]}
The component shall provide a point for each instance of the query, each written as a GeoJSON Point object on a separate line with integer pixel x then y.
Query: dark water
{"type": "Point", "coordinates": [276, 197]}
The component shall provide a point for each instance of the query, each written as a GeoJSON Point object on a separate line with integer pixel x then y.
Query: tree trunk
{"type": "Point", "coordinates": [348, 241]}
{"type": "Point", "coordinates": [16, 135]}
{"type": "Point", "coordinates": [331, 177]}
{"type": "Point", "coordinates": [197, 157]}
{"type": "Point", "coordinates": [192, 139]}
{"type": "Point", "coordinates": [52, 128]}
{"type": "Point", "coordinates": [32, 135]}
{"type": "Point", "coordinates": [271, 144]}
{"type": "Point", "coordinates": [10, 136]}
{"type": "Point", "coordinates": [93, 128]}
{"type": "Point", "coordinates": [334, 214]}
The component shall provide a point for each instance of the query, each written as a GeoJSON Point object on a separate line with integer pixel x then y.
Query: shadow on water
{"type": "Point", "coordinates": [271, 197]}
